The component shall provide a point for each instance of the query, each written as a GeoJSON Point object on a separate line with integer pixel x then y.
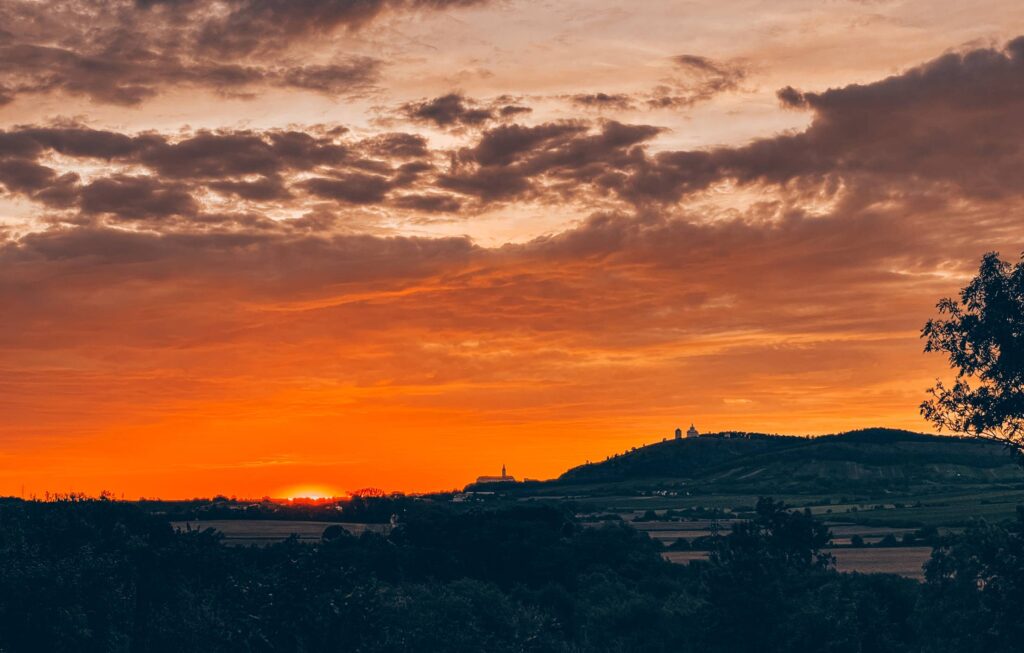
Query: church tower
{"type": "Point", "coordinates": [503, 474]}
{"type": "Point", "coordinates": [679, 434]}
{"type": "Point", "coordinates": [692, 432]}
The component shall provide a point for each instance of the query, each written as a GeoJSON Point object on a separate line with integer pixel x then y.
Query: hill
{"type": "Point", "coordinates": [868, 458]}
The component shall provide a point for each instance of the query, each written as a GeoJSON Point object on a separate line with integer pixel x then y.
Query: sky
{"type": "Point", "coordinates": [249, 246]}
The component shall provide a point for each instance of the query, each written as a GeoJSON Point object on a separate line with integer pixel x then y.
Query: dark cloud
{"type": "Point", "coordinates": [124, 78]}
{"type": "Point", "coordinates": [352, 188]}
{"type": "Point", "coordinates": [447, 111]}
{"type": "Point", "coordinates": [83, 142]}
{"type": "Point", "coordinates": [396, 145]}
{"type": "Point", "coordinates": [702, 79]}
{"type": "Point", "coordinates": [953, 120]}
{"type": "Point", "coordinates": [455, 110]}
{"type": "Point", "coordinates": [258, 166]}
{"type": "Point", "coordinates": [514, 160]}
{"type": "Point", "coordinates": [203, 154]}
{"type": "Point", "coordinates": [122, 52]}
{"type": "Point", "coordinates": [617, 101]}
{"type": "Point", "coordinates": [137, 198]}
{"type": "Point", "coordinates": [513, 110]}
{"type": "Point", "coordinates": [502, 145]}
{"type": "Point", "coordinates": [432, 203]}
{"type": "Point", "coordinates": [253, 25]}
{"type": "Point", "coordinates": [129, 77]}
{"type": "Point", "coordinates": [264, 189]}
{"type": "Point", "coordinates": [356, 74]}
{"type": "Point", "coordinates": [894, 135]}
{"type": "Point", "coordinates": [237, 153]}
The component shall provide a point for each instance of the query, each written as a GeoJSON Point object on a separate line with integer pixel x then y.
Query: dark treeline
{"type": "Point", "coordinates": [360, 509]}
{"type": "Point", "coordinates": [92, 576]}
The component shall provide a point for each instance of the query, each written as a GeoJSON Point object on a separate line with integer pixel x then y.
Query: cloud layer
{"type": "Point", "coordinates": [124, 52]}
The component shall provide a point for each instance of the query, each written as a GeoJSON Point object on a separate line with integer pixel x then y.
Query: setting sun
{"type": "Point", "coordinates": [311, 493]}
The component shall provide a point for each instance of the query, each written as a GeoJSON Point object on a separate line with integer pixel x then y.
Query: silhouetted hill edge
{"type": "Point", "coordinates": [872, 455]}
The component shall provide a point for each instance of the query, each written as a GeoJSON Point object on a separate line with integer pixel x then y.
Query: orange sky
{"type": "Point", "coordinates": [249, 246]}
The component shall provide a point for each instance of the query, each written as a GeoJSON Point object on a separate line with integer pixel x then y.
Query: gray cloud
{"type": "Point", "coordinates": [122, 52]}
{"type": "Point", "coordinates": [455, 110]}
{"type": "Point", "coordinates": [701, 79]}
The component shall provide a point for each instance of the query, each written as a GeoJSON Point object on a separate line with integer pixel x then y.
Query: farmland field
{"type": "Point", "coordinates": [915, 508]}
{"type": "Point", "coordinates": [903, 561]}
{"type": "Point", "coordinates": [267, 531]}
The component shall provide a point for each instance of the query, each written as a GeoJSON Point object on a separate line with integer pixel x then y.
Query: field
{"type": "Point", "coordinates": [265, 531]}
{"type": "Point", "coordinates": [917, 507]}
{"type": "Point", "coordinates": [904, 561]}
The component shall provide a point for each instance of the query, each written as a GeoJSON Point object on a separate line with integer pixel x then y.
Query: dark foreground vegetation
{"type": "Point", "coordinates": [88, 576]}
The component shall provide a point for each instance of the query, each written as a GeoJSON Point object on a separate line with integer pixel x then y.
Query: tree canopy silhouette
{"type": "Point", "coordinates": [982, 334]}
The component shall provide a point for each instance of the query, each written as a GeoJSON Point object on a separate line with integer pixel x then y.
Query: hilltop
{"type": "Point", "coordinates": [869, 458]}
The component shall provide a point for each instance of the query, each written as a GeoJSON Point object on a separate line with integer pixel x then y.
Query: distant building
{"type": "Point", "coordinates": [690, 433]}
{"type": "Point", "coordinates": [504, 478]}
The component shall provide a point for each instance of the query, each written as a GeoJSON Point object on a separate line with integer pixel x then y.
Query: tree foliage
{"type": "Point", "coordinates": [982, 335]}
{"type": "Point", "coordinates": [105, 577]}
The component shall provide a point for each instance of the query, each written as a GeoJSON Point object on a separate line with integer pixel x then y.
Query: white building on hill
{"type": "Point", "coordinates": [690, 433]}
{"type": "Point", "coordinates": [504, 478]}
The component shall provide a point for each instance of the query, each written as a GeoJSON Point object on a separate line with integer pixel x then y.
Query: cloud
{"type": "Point", "coordinates": [948, 121]}
{"type": "Point", "coordinates": [252, 25]}
{"type": "Point", "coordinates": [352, 76]}
{"type": "Point", "coordinates": [354, 188]}
{"type": "Point", "coordinates": [617, 101]}
{"type": "Point", "coordinates": [124, 53]}
{"type": "Point", "coordinates": [702, 79]}
{"type": "Point", "coordinates": [865, 143]}
{"type": "Point", "coordinates": [517, 161]}
{"type": "Point", "coordinates": [263, 189]}
{"type": "Point", "coordinates": [429, 203]}
{"type": "Point", "coordinates": [455, 110]}
{"type": "Point", "coordinates": [396, 145]}
{"type": "Point", "coordinates": [137, 198]}
{"type": "Point", "coordinates": [259, 166]}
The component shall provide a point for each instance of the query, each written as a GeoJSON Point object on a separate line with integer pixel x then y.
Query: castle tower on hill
{"type": "Point", "coordinates": [504, 478]}
{"type": "Point", "coordinates": [690, 433]}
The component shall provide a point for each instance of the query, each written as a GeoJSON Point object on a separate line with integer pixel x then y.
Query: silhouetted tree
{"type": "Point", "coordinates": [974, 591]}
{"type": "Point", "coordinates": [982, 334]}
{"type": "Point", "coordinates": [758, 577]}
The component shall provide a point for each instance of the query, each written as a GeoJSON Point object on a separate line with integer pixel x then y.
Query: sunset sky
{"type": "Point", "coordinates": [253, 245]}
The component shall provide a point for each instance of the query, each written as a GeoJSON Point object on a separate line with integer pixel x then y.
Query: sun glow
{"type": "Point", "coordinates": [312, 493]}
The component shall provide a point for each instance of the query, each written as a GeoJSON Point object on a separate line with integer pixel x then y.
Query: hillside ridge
{"type": "Point", "coordinates": [747, 461]}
